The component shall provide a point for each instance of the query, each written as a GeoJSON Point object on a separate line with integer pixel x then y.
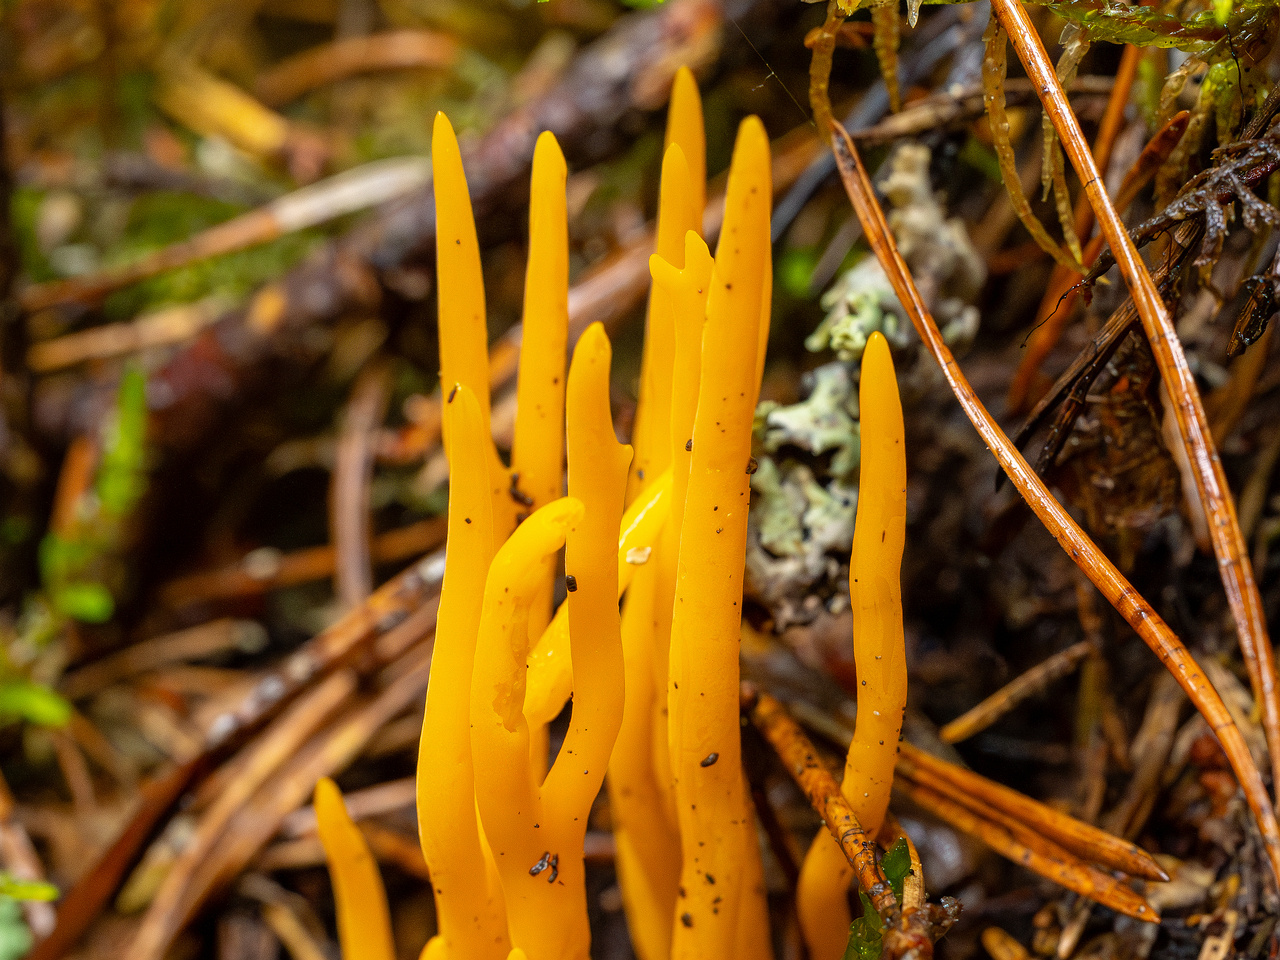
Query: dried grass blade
{"type": "Point", "coordinates": [1193, 425]}
{"type": "Point", "coordinates": [1059, 300]}
{"type": "Point", "coordinates": [994, 70]}
{"type": "Point", "coordinates": [1017, 690]}
{"type": "Point", "coordinates": [1075, 44]}
{"type": "Point", "coordinates": [1095, 564]}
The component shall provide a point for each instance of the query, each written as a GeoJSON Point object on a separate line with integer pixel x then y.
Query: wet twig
{"type": "Point", "coordinates": [1187, 408]}
{"type": "Point", "coordinates": [1082, 550]}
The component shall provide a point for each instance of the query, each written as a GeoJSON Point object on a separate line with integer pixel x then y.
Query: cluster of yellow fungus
{"type": "Point", "coordinates": [655, 688]}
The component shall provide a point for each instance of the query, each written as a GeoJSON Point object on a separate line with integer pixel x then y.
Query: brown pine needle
{"type": "Point", "coordinates": [262, 760]}
{"type": "Point", "coordinates": [1095, 564]}
{"type": "Point", "coordinates": [261, 573]}
{"type": "Point", "coordinates": [1009, 807]}
{"type": "Point", "coordinates": [1002, 946]}
{"type": "Point", "coordinates": [350, 482]}
{"type": "Point", "coordinates": [1032, 683]}
{"type": "Point", "coordinates": [1023, 846]}
{"type": "Point", "coordinates": [344, 193]}
{"type": "Point", "coordinates": [811, 775]}
{"type": "Point", "coordinates": [194, 643]}
{"type": "Point", "coordinates": [1060, 298]}
{"type": "Point", "coordinates": [1004, 806]}
{"type": "Point", "coordinates": [1062, 279]}
{"type": "Point", "coordinates": [351, 56]}
{"type": "Point", "coordinates": [1193, 425]}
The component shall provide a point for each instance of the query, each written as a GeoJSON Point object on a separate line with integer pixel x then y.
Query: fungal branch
{"type": "Point", "coordinates": [550, 682]}
{"type": "Point", "coordinates": [364, 920]}
{"type": "Point", "coordinates": [464, 334]}
{"type": "Point", "coordinates": [532, 829]}
{"type": "Point", "coordinates": [537, 453]}
{"type": "Point", "coordinates": [536, 833]}
{"type": "Point", "coordinates": [541, 914]}
{"type": "Point", "coordinates": [879, 650]}
{"type": "Point", "coordinates": [470, 912]}
{"type": "Point", "coordinates": [702, 696]}
{"type": "Point", "coordinates": [682, 198]}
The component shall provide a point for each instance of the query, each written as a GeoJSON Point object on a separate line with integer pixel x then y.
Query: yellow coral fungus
{"type": "Point", "coordinates": [503, 843]}
{"type": "Point", "coordinates": [537, 454]}
{"type": "Point", "coordinates": [364, 922]}
{"type": "Point", "coordinates": [469, 906]}
{"type": "Point", "coordinates": [875, 592]}
{"type": "Point", "coordinates": [682, 196]}
{"type": "Point", "coordinates": [703, 693]}
{"type": "Point", "coordinates": [550, 681]}
{"type": "Point", "coordinates": [537, 834]}
{"type": "Point", "coordinates": [464, 335]}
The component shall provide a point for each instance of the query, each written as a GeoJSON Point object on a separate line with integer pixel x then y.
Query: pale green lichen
{"type": "Point", "coordinates": [778, 513]}
{"type": "Point", "coordinates": [799, 535]}
{"type": "Point", "coordinates": [805, 493]}
{"type": "Point", "coordinates": [858, 304]}
{"type": "Point", "coordinates": [826, 421]}
{"type": "Point", "coordinates": [801, 527]}
{"type": "Point", "coordinates": [948, 270]}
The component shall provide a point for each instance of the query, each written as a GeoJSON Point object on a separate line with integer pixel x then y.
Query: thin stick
{"type": "Point", "coordinates": [158, 328]}
{"type": "Point", "coordinates": [1193, 425]}
{"type": "Point", "coordinates": [194, 643]}
{"type": "Point", "coordinates": [1020, 688]}
{"type": "Point", "coordinates": [1127, 601]}
{"type": "Point", "coordinates": [801, 760]}
{"type": "Point", "coordinates": [351, 56]}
